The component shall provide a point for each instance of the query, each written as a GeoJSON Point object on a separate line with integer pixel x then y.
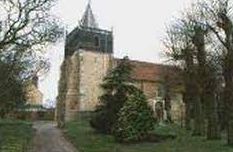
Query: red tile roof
{"type": "Point", "coordinates": [149, 71]}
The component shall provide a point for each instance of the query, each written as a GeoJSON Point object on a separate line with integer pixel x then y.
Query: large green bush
{"type": "Point", "coordinates": [117, 86]}
{"type": "Point", "coordinates": [106, 114]}
{"type": "Point", "coordinates": [135, 119]}
{"type": "Point", "coordinates": [11, 87]}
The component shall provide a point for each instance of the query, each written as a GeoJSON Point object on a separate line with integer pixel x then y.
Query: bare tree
{"type": "Point", "coordinates": [207, 80]}
{"type": "Point", "coordinates": [28, 24]}
{"type": "Point", "coordinates": [218, 17]}
{"type": "Point", "coordinates": [180, 48]}
{"type": "Point", "coordinates": [208, 31]}
{"type": "Point", "coordinates": [200, 80]}
{"type": "Point", "coordinates": [26, 29]}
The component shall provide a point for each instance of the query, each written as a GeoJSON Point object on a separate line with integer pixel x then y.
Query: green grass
{"type": "Point", "coordinates": [86, 140]}
{"type": "Point", "coordinates": [15, 136]}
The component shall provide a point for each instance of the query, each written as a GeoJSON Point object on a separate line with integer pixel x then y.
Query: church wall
{"type": "Point", "coordinates": [72, 88]}
{"type": "Point", "coordinates": [93, 68]}
{"type": "Point", "coordinates": [149, 89]}
{"type": "Point", "coordinates": [85, 71]}
{"type": "Point", "coordinates": [177, 108]}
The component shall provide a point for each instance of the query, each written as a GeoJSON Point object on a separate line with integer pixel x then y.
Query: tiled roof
{"type": "Point", "coordinates": [149, 71]}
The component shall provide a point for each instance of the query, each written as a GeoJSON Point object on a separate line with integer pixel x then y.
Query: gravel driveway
{"type": "Point", "coordinates": [49, 138]}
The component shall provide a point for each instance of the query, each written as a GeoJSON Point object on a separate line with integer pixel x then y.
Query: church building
{"type": "Point", "coordinates": [88, 57]}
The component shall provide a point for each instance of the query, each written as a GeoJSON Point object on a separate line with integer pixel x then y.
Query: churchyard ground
{"type": "Point", "coordinates": [48, 138]}
{"type": "Point", "coordinates": [15, 136]}
{"type": "Point", "coordinates": [87, 140]}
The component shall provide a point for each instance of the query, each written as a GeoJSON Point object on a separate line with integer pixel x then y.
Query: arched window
{"type": "Point", "coordinates": [97, 41]}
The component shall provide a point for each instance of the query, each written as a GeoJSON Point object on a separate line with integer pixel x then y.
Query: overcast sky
{"type": "Point", "coordinates": [138, 28]}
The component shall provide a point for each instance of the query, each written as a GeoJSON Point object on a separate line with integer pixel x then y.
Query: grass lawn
{"type": "Point", "coordinates": [86, 140]}
{"type": "Point", "coordinates": [15, 136]}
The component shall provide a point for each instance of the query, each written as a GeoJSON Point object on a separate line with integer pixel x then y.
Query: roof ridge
{"type": "Point", "coordinates": [146, 62]}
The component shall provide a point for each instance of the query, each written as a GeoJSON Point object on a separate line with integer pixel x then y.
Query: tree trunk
{"type": "Point", "coordinates": [189, 77]}
{"type": "Point", "coordinates": [230, 132]}
{"type": "Point", "coordinates": [229, 106]}
{"type": "Point", "coordinates": [213, 129]}
{"type": "Point", "coordinates": [227, 26]}
{"type": "Point", "coordinates": [221, 109]}
{"type": "Point", "coordinates": [199, 42]}
{"type": "Point", "coordinates": [187, 112]}
{"type": "Point", "coordinates": [199, 121]}
{"type": "Point", "coordinates": [228, 97]}
{"type": "Point", "coordinates": [198, 118]}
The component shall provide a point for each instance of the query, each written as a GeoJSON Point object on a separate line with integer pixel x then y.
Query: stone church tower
{"type": "Point", "coordinates": [88, 56]}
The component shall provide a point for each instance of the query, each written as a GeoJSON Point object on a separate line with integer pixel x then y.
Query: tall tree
{"type": "Point", "coordinates": [117, 85]}
{"type": "Point", "coordinates": [26, 28]}
{"type": "Point", "coordinates": [28, 24]}
{"type": "Point", "coordinates": [218, 18]}
{"type": "Point", "coordinates": [207, 81]}
{"type": "Point", "coordinates": [12, 94]}
{"type": "Point", "coordinates": [135, 119]}
{"type": "Point", "coordinates": [180, 49]}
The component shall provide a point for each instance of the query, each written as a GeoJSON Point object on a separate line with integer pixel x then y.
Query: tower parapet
{"type": "Point", "coordinates": [92, 39]}
{"type": "Point", "coordinates": [89, 36]}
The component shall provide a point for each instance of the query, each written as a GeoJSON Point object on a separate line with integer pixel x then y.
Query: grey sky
{"type": "Point", "coordinates": [138, 27]}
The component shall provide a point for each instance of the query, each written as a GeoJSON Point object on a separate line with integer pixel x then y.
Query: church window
{"type": "Point", "coordinates": [97, 41]}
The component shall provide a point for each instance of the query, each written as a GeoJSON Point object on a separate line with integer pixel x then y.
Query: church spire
{"type": "Point", "coordinates": [88, 19]}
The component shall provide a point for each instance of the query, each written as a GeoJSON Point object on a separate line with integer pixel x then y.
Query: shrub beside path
{"type": "Point", "coordinates": [48, 138]}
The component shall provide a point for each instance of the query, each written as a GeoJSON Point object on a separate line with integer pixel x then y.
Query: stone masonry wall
{"type": "Point", "coordinates": [93, 68]}
{"type": "Point", "coordinates": [68, 97]}
{"type": "Point", "coordinates": [79, 86]}
{"type": "Point", "coordinates": [72, 95]}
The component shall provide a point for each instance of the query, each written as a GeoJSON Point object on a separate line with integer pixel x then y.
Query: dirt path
{"type": "Point", "coordinates": [48, 138]}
